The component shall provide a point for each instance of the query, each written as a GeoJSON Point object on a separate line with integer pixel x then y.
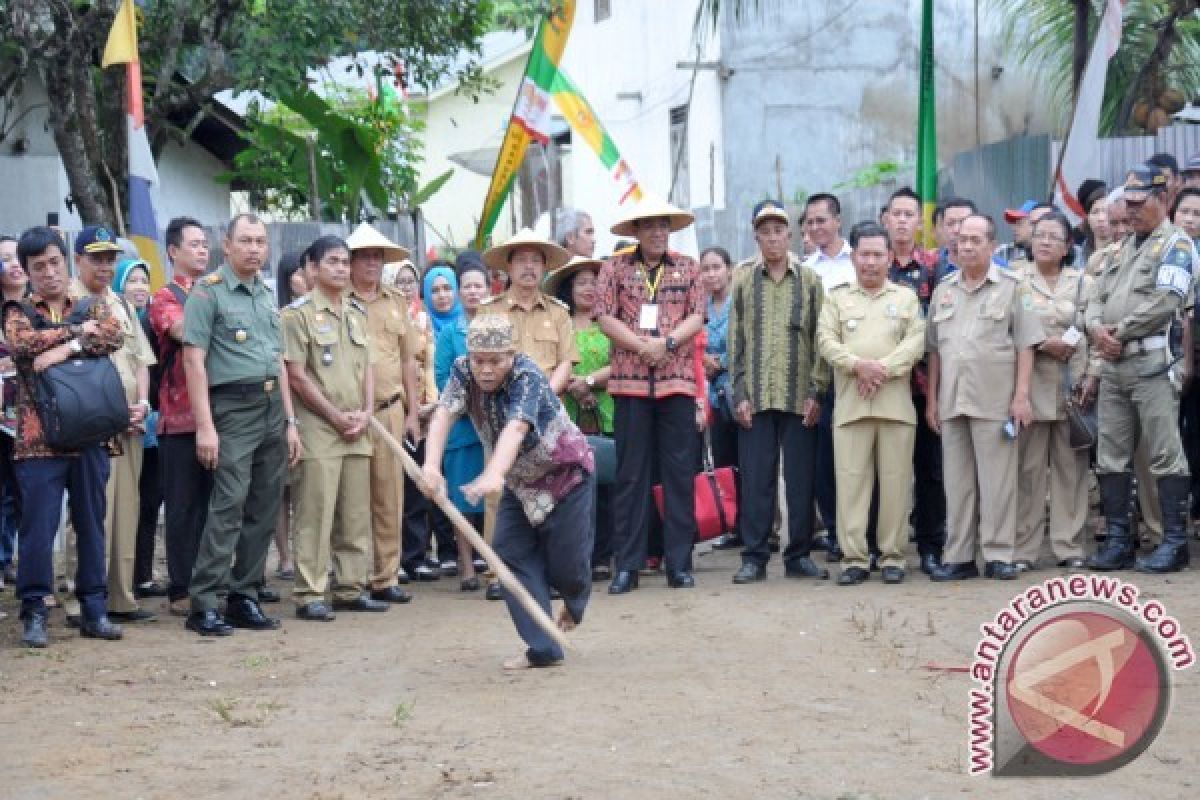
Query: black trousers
{"type": "Point", "coordinates": [186, 486]}
{"type": "Point", "coordinates": [929, 502]}
{"type": "Point", "coordinates": [759, 447]}
{"type": "Point", "coordinates": [415, 530]}
{"type": "Point", "coordinates": [150, 498]}
{"type": "Point", "coordinates": [654, 432]}
{"type": "Point", "coordinates": [1189, 425]}
{"type": "Point", "coordinates": [825, 482]}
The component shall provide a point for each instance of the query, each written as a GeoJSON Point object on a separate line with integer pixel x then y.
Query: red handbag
{"type": "Point", "coordinates": [716, 500]}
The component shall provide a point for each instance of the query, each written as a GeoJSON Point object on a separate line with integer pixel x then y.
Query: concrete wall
{"type": "Point", "coordinates": [822, 89]}
{"type": "Point", "coordinates": [188, 186]}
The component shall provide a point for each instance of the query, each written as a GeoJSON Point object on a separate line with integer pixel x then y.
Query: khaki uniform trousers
{"type": "Point", "coordinates": [1048, 464]}
{"type": "Point", "coordinates": [863, 450]}
{"type": "Point", "coordinates": [333, 515]}
{"type": "Point", "coordinates": [980, 464]}
{"type": "Point", "coordinates": [122, 510]}
{"type": "Point", "coordinates": [387, 500]}
{"type": "Point", "coordinates": [1147, 492]}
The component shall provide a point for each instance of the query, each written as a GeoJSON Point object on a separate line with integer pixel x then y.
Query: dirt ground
{"type": "Point", "coordinates": [782, 689]}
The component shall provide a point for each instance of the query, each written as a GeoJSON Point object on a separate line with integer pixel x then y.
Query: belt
{"type": "Point", "coordinates": [1144, 345]}
{"type": "Point", "coordinates": [246, 388]}
{"type": "Point", "coordinates": [391, 401]}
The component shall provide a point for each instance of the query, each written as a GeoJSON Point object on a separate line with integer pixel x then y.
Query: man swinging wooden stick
{"type": "Point", "coordinates": [544, 466]}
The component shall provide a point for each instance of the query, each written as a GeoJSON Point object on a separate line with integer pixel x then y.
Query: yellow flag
{"type": "Point", "coordinates": [122, 39]}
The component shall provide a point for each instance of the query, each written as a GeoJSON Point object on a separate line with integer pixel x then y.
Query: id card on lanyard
{"type": "Point", "coordinates": [648, 318]}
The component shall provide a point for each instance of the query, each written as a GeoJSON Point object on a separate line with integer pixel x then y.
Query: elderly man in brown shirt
{"type": "Point", "coordinates": [395, 344]}
{"type": "Point", "coordinates": [981, 333]}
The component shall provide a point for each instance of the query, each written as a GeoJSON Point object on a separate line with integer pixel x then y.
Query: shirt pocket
{"type": "Point", "coordinates": [233, 327]}
{"type": "Point", "coordinates": [325, 341]}
{"type": "Point", "coordinates": [994, 338]}
{"type": "Point", "coordinates": [852, 321]}
{"type": "Point", "coordinates": [945, 322]}
{"type": "Point", "coordinates": [545, 346]}
{"type": "Point", "coordinates": [901, 322]}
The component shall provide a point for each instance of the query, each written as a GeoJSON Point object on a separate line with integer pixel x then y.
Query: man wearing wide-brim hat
{"type": "Point", "coordinates": [650, 303]}
{"type": "Point", "coordinates": [395, 344]}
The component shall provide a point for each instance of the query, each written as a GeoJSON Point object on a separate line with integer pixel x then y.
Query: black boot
{"type": "Point", "coordinates": [1172, 555]}
{"type": "Point", "coordinates": [1119, 549]}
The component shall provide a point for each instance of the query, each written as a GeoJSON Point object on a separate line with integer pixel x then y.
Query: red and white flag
{"type": "Point", "coordinates": [1083, 140]}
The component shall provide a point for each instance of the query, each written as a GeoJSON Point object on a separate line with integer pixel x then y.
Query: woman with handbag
{"type": "Point", "coordinates": [587, 403]}
{"type": "Point", "coordinates": [716, 270]}
{"type": "Point", "coordinates": [1047, 460]}
{"type": "Point", "coordinates": [463, 460]}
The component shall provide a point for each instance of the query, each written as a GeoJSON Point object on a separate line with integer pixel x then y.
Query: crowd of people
{"type": "Point", "coordinates": [868, 390]}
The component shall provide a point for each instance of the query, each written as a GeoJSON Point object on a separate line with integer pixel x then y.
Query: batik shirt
{"type": "Point", "coordinates": [554, 456]}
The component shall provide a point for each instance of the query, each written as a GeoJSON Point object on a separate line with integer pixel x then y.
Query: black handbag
{"type": "Point", "coordinates": [81, 401]}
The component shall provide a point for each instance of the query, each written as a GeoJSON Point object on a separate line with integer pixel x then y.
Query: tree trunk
{"type": "Point", "coordinates": [1168, 34]}
{"type": "Point", "coordinates": [64, 116]}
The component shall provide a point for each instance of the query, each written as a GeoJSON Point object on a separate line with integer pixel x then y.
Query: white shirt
{"type": "Point", "coordinates": [836, 270]}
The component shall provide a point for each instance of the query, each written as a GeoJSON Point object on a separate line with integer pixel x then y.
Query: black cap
{"type": "Point", "coordinates": [96, 239]}
{"type": "Point", "coordinates": [1142, 180]}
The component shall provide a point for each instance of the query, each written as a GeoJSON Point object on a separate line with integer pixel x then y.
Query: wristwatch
{"type": "Point", "coordinates": [75, 346]}
{"type": "Point", "coordinates": [293, 421]}
{"type": "Point", "coordinates": [672, 345]}
{"type": "Point", "coordinates": [590, 381]}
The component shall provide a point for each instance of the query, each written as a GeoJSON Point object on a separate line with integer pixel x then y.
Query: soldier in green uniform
{"type": "Point", "coordinates": [1136, 297]}
{"type": "Point", "coordinates": [328, 357]}
{"type": "Point", "coordinates": [245, 428]}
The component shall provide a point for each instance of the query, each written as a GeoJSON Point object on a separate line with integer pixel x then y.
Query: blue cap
{"type": "Point", "coordinates": [769, 209]}
{"type": "Point", "coordinates": [1192, 165]}
{"type": "Point", "coordinates": [96, 239]}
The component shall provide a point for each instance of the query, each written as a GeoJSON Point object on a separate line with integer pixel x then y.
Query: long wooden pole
{"type": "Point", "coordinates": [507, 579]}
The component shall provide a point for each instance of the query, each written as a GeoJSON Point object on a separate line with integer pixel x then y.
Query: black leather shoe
{"type": "Point", "coordinates": [852, 576]}
{"type": "Point", "coordinates": [208, 623]}
{"type": "Point", "coordinates": [955, 572]}
{"type": "Point", "coordinates": [805, 568]}
{"type": "Point", "coordinates": [149, 589]}
{"type": "Point", "coordinates": [681, 580]}
{"type": "Point", "coordinates": [930, 562]}
{"type": "Point", "coordinates": [470, 584]}
{"type": "Point", "coordinates": [833, 553]}
{"type": "Point", "coordinates": [1000, 571]}
{"type": "Point", "coordinates": [73, 621]}
{"type": "Point", "coordinates": [601, 572]}
{"type": "Point", "coordinates": [35, 634]}
{"type": "Point", "coordinates": [422, 572]}
{"type": "Point", "coordinates": [268, 594]}
{"type": "Point", "coordinates": [1072, 563]}
{"type": "Point", "coordinates": [392, 594]}
{"type": "Point", "coordinates": [624, 581]}
{"type": "Point", "coordinates": [244, 612]}
{"type": "Point", "coordinates": [100, 627]}
{"type": "Point", "coordinates": [494, 591]}
{"type": "Point", "coordinates": [137, 615]}
{"type": "Point", "coordinates": [316, 611]}
{"type": "Point", "coordinates": [727, 541]}
{"type": "Point", "coordinates": [750, 573]}
{"type": "Point", "coordinates": [893, 575]}
{"type": "Point", "coordinates": [402, 577]}
{"type": "Point", "coordinates": [821, 542]}
{"type": "Point", "coordinates": [363, 602]}
{"type": "Point", "coordinates": [1023, 565]}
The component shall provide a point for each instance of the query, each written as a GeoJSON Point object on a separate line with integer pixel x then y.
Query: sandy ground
{"type": "Point", "coordinates": [782, 689]}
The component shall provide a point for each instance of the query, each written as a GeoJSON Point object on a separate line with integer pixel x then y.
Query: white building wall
{"type": "Point", "coordinates": [188, 186]}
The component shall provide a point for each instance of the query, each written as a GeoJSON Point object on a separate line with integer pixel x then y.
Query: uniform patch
{"type": "Point", "coordinates": [1175, 271]}
{"type": "Point", "coordinates": [1027, 301]}
{"type": "Point", "coordinates": [214, 279]}
{"type": "Point", "coordinates": [298, 302]}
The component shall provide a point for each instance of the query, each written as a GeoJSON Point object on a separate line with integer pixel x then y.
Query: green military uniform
{"type": "Point", "coordinates": [873, 438]}
{"type": "Point", "coordinates": [236, 323]}
{"type": "Point", "coordinates": [328, 337]}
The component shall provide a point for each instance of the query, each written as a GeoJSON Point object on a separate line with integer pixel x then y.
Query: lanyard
{"type": "Point", "coordinates": [652, 288]}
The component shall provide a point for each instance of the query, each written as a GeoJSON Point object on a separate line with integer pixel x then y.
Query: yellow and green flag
{"type": "Point", "coordinates": [582, 119]}
{"type": "Point", "coordinates": [927, 163]}
{"type": "Point", "coordinates": [531, 113]}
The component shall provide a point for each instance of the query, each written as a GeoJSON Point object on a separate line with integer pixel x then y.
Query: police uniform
{"type": "Point", "coordinates": [1045, 458]}
{"type": "Point", "coordinates": [1138, 294]}
{"type": "Point", "coordinates": [393, 341]}
{"type": "Point", "coordinates": [329, 338]}
{"type": "Point", "coordinates": [977, 334]}
{"type": "Point", "coordinates": [236, 323]}
{"type": "Point", "coordinates": [873, 438]}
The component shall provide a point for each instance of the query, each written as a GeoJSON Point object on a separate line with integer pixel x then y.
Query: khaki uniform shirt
{"type": "Point", "coordinates": [1142, 289]}
{"type": "Point", "coordinates": [544, 332]}
{"type": "Point", "coordinates": [393, 341]}
{"type": "Point", "coordinates": [329, 338]}
{"type": "Point", "coordinates": [886, 327]}
{"type": "Point", "coordinates": [236, 323]}
{"type": "Point", "coordinates": [1058, 309]}
{"type": "Point", "coordinates": [977, 334]}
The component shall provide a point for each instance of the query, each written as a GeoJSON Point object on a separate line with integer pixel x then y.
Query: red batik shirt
{"type": "Point", "coordinates": [174, 405]}
{"type": "Point", "coordinates": [621, 291]}
{"type": "Point", "coordinates": [26, 343]}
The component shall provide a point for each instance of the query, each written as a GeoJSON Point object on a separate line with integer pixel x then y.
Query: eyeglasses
{"type": "Point", "coordinates": [1048, 237]}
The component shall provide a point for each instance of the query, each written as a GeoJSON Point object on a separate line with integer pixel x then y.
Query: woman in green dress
{"type": "Point", "coordinates": [588, 404]}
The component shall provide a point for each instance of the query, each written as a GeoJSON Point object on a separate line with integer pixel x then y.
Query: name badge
{"type": "Point", "coordinates": [648, 319]}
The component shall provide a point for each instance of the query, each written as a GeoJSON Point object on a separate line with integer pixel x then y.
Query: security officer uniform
{"type": "Point", "coordinates": [1137, 296]}
{"type": "Point", "coordinates": [393, 342]}
{"type": "Point", "coordinates": [1044, 448]}
{"type": "Point", "coordinates": [977, 334]}
{"type": "Point", "coordinates": [328, 336]}
{"type": "Point", "coordinates": [236, 323]}
{"type": "Point", "coordinates": [873, 438]}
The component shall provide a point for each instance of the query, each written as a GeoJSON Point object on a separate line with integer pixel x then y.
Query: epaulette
{"type": "Point", "coordinates": [357, 306]}
{"type": "Point", "coordinates": [490, 300]}
{"type": "Point", "coordinates": [953, 277]}
{"type": "Point", "coordinates": [1011, 274]}
{"type": "Point", "coordinates": [554, 299]}
{"type": "Point", "coordinates": [298, 302]}
{"type": "Point", "coordinates": [213, 279]}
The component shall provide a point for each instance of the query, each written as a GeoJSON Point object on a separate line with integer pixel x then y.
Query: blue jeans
{"type": "Point", "coordinates": [42, 482]}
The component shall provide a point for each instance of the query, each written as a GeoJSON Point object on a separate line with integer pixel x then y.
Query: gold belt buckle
{"type": "Point", "coordinates": [269, 386]}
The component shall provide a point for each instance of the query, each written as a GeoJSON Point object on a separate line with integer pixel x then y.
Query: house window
{"type": "Point", "coordinates": [680, 179]}
{"type": "Point", "coordinates": [603, 10]}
